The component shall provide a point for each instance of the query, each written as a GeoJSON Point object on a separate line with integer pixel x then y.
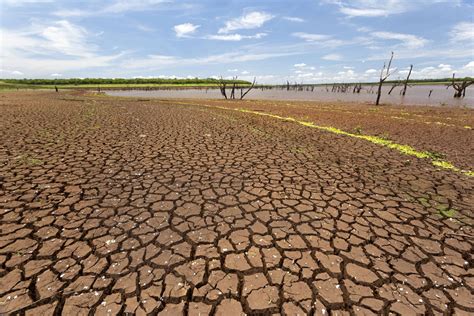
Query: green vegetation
{"type": "Point", "coordinates": [94, 83]}
{"type": "Point", "coordinates": [28, 160]}
{"type": "Point", "coordinates": [435, 155]}
{"type": "Point", "coordinates": [431, 81]}
{"type": "Point", "coordinates": [14, 86]}
{"type": "Point", "coordinates": [445, 211]}
{"type": "Point", "coordinates": [424, 201]}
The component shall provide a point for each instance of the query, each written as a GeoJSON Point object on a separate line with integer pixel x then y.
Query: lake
{"type": "Point", "coordinates": [416, 95]}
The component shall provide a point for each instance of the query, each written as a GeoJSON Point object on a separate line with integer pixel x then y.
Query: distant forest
{"type": "Point", "coordinates": [99, 81]}
{"type": "Point", "coordinates": [431, 80]}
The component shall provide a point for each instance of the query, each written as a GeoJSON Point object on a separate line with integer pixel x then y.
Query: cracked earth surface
{"type": "Point", "coordinates": [423, 127]}
{"type": "Point", "coordinates": [128, 206]}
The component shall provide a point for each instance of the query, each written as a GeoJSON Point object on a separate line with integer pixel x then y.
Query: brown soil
{"type": "Point", "coordinates": [447, 131]}
{"type": "Point", "coordinates": [114, 206]}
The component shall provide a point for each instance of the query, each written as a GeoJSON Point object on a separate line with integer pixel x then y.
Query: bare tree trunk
{"type": "Point", "coordinates": [406, 81]}
{"type": "Point", "coordinates": [460, 88]}
{"type": "Point", "coordinates": [379, 93]}
{"type": "Point", "coordinates": [222, 86]}
{"type": "Point", "coordinates": [248, 90]}
{"type": "Point", "coordinates": [396, 84]}
{"type": "Point", "coordinates": [383, 77]}
{"type": "Point", "coordinates": [232, 92]}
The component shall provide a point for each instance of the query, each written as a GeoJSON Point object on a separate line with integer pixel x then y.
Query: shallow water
{"type": "Point", "coordinates": [416, 95]}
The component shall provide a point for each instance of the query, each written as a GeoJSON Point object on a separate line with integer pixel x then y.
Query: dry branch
{"type": "Point", "coordinates": [248, 90]}
{"type": "Point", "coordinates": [384, 74]}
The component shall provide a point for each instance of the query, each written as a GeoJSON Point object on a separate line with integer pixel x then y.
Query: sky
{"type": "Point", "coordinates": [304, 41]}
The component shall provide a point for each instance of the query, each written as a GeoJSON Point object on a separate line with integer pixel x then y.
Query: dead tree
{"type": "Point", "coordinates": [232, 92]}
{"type": "Point", "coordinates": [395, 84]}
{"type": "Point", "coordinates": [222, 86]}
{"type": "Point", "coordinates": [384, 74]}
{"type": "Point", "coordinates": [248, 90]}
{"type": "Point", "coordinates": [460, 87]}
{"type": "Point", "coordinates": [404, 91]}
{"type": "Point", "coordinates": [357, 88]}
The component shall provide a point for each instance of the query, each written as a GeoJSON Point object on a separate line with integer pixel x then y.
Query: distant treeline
{"type": "Point", "coordinates": [430, 80]}
{"type": "Point", "coordinates": [411, 81]}
{"type": "Point", "coordinates": [122, 81]}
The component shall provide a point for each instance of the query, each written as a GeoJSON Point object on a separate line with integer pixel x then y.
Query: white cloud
{"type": "Point", "coordinates": [23, 2]}
{"type": "Point", "coordinates": [56, 75]}
{"type": "Point", "coordinates": [233, 70]}
{"type": "Point", "coordinates": [67, 13]}
{"type": "Point", "coordinates": [371, 71]}
{"type": "Point", "coordinates": [440, 71]}
{"type": "Point", "coordinates": [12, 72]}
{"type": "Point", "coordinates": [309, 37]}
{"type": "Point", "coordinates": [144, 28]}
{"type": "Point", "coordinates": [321, 39]}
{"type": "Point", "coordinates": [364, 29]}
{"type": "Point", "coordinates": [293, 19]}
{"type": "Point", "coordinates": [66, 38]}
{"type": "Point", "coordinates": [116, 7]}
{"type": "Point", "coordinates": [185, 29]}
{"type": "Point", "coordinates": [463, 31]}
{"type": "Point", "coordinates": [367, 12]}
{"type": "Point", "coordinates": [162, 61]}
{"type": "Point", "coordinates": [377, 8]}
{"type": "Point", "coordinates": [60, 37]}
{"type": "Point", "coordinates": [60, 46]}
{"type": "Point", "coordinates": [332, 57]}
{"type": "Point", "coordinates": [251, 20]}
{"type": "Point", "coordinates": [369, 8]}
{"type": "Point", "coordinates": [235, 37]}
{"type": "Point", "coordinates": [245, 72]}
{"type": "Point", "coordinates": [444, 67]}
{"type": "Point", "coordinates": [302, 67]}
{"type": "Point", "coordinates": [133, 5]}
{"type": "Point", "coordinates": [407, 40]}
{"type": "Point", "coordinates": [470, 67]}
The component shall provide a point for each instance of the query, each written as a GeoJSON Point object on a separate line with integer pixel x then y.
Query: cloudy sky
{"type": "Point", "coordinates": [306, 41]}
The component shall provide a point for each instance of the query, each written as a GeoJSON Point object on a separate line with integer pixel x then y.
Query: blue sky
{"type": "Point", "coordinates": [302, 40]}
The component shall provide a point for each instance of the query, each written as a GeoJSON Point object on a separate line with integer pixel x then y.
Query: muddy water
{"type": "Point", "coordinates": [416, 95]}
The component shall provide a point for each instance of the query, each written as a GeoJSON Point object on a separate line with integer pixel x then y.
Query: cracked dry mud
{"type": "Point", "coordinates": [128, 206]}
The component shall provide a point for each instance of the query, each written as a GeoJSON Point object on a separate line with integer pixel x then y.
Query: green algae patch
{"type": "Point", "coordinates": [447, 212]}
